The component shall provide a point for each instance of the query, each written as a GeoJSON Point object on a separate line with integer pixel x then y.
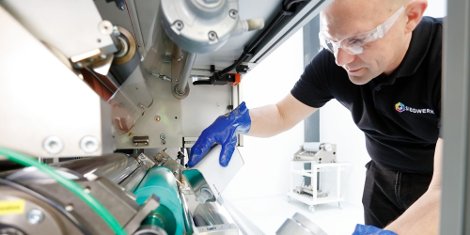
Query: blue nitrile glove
{"type": "Point", "coordinates": [371, 230]}
{"type": "Point", "coordinates": [222, 131]}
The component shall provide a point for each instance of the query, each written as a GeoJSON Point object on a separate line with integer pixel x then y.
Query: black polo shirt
{"type": "Point", "coordinates": [399, 113]}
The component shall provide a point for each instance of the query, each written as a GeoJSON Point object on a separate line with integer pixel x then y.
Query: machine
{"type": "Point", "coordinates": [316, 152]}
{"type": "Point", "coordinates": [316, 175]}
{"type": "Point", "coordinates": [102, 100]}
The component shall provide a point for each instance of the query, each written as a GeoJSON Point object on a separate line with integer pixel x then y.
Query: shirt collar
{"type": "Point", "coordinates": [419, 46]}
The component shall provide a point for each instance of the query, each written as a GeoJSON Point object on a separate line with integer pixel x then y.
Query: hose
{"type": "Point", "coordinates": [70, 185]}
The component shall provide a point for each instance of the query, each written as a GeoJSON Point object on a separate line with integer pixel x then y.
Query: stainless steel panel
{"type": "Point", "coordinates": [47, 110]}
{"type": "Point", "coordinates": [161, 122]}
{"type": "Point", "coordinates": [72, 27]}
{"type": "Point", "coordinates": [455, 206]}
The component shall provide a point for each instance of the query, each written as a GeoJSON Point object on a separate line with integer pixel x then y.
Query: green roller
{"type": "Point", "coordinates": [161, 182]}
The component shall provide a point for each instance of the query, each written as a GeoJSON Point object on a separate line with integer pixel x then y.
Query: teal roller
{"type": "Point", "coordinates": [161, 182]}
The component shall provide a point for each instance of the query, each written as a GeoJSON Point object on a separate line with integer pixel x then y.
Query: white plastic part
{"type": "Point", "coordinates": [217, 176]}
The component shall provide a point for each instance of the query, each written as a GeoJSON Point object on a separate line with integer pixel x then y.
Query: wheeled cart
{"type": "Point", "coordinates": [316, 183]}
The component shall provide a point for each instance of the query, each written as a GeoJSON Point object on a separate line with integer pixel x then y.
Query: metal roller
{"type": "Point", "coordinates": [116, 167]}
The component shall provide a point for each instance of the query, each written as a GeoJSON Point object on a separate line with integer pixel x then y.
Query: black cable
{"type": "Point", "coordinates": [289, 3]}
{"type": "Point", "coordinates": [48, 201]}
{"type": "Point", "coordinates": [286, 11]}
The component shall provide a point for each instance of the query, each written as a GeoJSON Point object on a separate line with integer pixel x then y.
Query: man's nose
{"type": "Point", "coordinates": [343, 57]}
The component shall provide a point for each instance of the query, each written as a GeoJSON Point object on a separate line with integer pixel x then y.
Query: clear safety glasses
{"type": "Point", "coordinates": [355, 45]}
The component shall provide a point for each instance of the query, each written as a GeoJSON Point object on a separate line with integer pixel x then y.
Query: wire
{"type": "Point", "coordinates": [72, 186]}
{"type": "Point", "coordinates": [289, 3]}
{"type": "Point", "coordinates": [248, 52]}
{"type": "Point", "coordinates": [48, 201]}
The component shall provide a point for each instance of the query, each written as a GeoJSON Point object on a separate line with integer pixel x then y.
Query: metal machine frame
{"type": "Point", "coordinates": [125, 87]}
{"type": "Point", "coordinates": [455, 202]}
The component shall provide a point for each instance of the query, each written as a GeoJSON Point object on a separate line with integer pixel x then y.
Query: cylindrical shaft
{"type": "Point", "coordinates": [116, 167]}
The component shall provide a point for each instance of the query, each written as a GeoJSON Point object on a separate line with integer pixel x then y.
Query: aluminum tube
{"type": "Point", "coordinates": [301, 225]}
{"type": "Point", "coordinates": [208, 214]}
{"type": "Point", "coordinates": [188, 221]}
{"type": "Point", "coordinates": [180, 88]}
{"type": "Point", "coordinates": [133, 180]}
{"type": "Point", "coordinates": [116, 167]}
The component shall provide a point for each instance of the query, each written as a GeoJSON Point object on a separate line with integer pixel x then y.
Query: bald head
{"type": "Point", "coordinates": [343, 18]}
{"type": "Point", "coordinates": [351, 20]}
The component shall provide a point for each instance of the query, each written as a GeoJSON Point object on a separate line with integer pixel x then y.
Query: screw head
{"type": "Point", "coordinates": [53, 145]}
{"type": "Point", "coordinates": [212, 36]}
{"type": "Point", "coordinates": [89, 144]}
{"type": "Point", "coordinates": [69, 207]}
{"type": "Point", "coordinates": [105, 27]}
{"type": "Point", "coordinates": [233, 13]}
{"type": "Point", "coordinates": [178, 25]}
{"type": "Point", "coordinates": [35, 216]}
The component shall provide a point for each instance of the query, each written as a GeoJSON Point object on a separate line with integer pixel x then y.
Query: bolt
{"type": "Point", "coordinates": [90, 176]}
{"type": "Point", "coordinates": [179, 58]}
{"type": "Point", "coordinates": [233, 13]}
{"type": "Point", "coordinates": [162, 136]}
{"type": "Point", "coordinates": [105, 27]}
{"type": "Point", "coordinates": [158, 118]}
{"type": "Point", "coordinates": [116, 32]}
{"type": "Point", "coordinates": [212, 36]}
{"type": "Point", "coordinates": [178, 24]}
{"type": "Point", "coordinates": [35, 216]}
{"type": "Point", "coordinates": [165, 78]}
{"type": "Point", "coordinates": [121, 5]}
{"type": "Point", "coordinates": [69, 207]}
{"type": "Point", "coordinates": [89, 144]}
{"type": "Point", "coordinates": [87, 189]}
{"type": "Point", "coordinates": [53, 145]}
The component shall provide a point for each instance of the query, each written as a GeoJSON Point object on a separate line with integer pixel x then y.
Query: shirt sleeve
{"type": "Point", "coordinates": [312, 88]}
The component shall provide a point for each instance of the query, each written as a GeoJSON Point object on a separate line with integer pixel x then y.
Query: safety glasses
{"type": "Point", "coordinates": [355, 45]}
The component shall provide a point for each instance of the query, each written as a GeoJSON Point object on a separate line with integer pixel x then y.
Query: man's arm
{"type": "Point", "coordinates": [272, 119]}
{"type": "Point", "coordinates": [423, 216]}
{"type": "Point", "coordinates": [265, 121]}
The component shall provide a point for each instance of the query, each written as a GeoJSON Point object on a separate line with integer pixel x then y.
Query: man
{"type": "Point", "coordinates": [382, 61]}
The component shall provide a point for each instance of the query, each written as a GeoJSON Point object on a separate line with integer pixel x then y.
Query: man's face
{"type": "Point", "coordinates": [344, 22]}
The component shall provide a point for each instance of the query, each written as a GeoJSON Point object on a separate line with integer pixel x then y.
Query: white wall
{"type": "Point", "coordinates": [266, 170]}
{"type": "Point", "coordinates": [436, 8]}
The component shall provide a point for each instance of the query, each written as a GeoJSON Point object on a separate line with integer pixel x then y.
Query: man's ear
{"type": "Point", "coordinates": [414, 11]}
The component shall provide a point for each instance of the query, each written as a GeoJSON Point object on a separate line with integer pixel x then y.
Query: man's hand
{"type": "Point", "coordinates": [222, 131]}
